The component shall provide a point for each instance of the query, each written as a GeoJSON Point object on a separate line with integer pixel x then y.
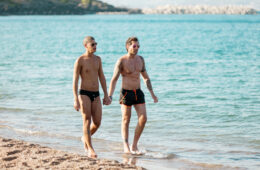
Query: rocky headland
{"type": "Point", "coordinates": [81, 7]}
{"type": "Point", "coordinates": [58, 7]}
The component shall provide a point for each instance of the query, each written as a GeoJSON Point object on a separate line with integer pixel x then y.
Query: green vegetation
{"type": "Point", "coordinates": [64, 1]}
{"type": "Point", "coordinates": [86, 3]}
{"type": "Point", "coordinates": [55, 7]}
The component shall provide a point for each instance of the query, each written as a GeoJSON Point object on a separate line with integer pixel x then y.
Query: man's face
{"type": "Point", "coordinates": [134, 47]}
{"type": "Point", "coordinates": [91, 46]}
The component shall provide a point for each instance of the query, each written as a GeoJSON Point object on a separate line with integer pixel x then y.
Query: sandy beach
{"type": "Point", "coordinates": [16, 154]}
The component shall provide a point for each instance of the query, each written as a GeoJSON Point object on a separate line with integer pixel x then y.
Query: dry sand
{"type": "Point", "coordinates": [15, 154]}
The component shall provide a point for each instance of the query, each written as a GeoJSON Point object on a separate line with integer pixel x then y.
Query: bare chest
{"type": "Point", "coordinates": [132, 66]}
{"type": "Point", "coordinates": [89, 66]}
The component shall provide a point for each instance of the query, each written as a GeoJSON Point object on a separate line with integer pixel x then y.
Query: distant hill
{"type": "Point", "coordinates": [58, 7]}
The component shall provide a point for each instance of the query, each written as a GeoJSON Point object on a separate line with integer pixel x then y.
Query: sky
{"type": "Point", "coordinates": [154, 3]}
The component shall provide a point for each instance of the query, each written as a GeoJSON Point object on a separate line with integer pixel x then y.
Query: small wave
{"type": "Point", "coordinates": [12, 109]}
{"type": "Point", "coordinates": [191, 63]}
{"type": "Point", "coordinates": [3, 126]}
{"type": "Point", "coordinates": [1, 121]}
{"type": "Point", "coordinates": [220, 99]}
{"type": "Point", "coordinates": [172, 79]}
{"type": "Point", "coordinates": [40, 133]}
{"type": "Point", "coordinates": [197, 97]}
{"type": "Point", "coordinates": [244, 152]}
{"type": "Point", "coordinates": [30, 132]}
{"type": "Point", "coordinates": [182, 104]}
{"type": "Point", "coordinates": [6, 96]}
{"type": "Point", "coordinates": [158, 155]}
{"type": "Point", "coordinates": [181, 163]}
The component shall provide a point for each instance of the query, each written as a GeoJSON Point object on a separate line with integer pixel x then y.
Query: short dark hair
{"type": "Point", "coordinates": [129, 41]}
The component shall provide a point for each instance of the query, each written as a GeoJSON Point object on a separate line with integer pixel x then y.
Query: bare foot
{"type": "Point", "coordinates": [126, 148]}
{"type": "Point", "coordinates": [85, 145]}
{"type": "Point", "coordinates": [92, 154]}
{"type": "Point", "coordinates": [135, 151]}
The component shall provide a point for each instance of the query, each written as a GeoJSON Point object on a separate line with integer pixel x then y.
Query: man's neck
{"type": "Point", "coordinates": [88, 54]}
{"type": "Point", "coordinates": [131, 55]}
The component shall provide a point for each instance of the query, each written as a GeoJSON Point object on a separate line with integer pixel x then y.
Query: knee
{"type": "Point", "coordinates": [86, 120]}
{"type": "Point", "coordinates": [126, 120]}
{"type": "Point", "coordinates": [142, 119]}
{"type": "Point", "coordinates": [96, 124]}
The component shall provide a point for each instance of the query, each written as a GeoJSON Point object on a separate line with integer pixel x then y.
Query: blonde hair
{"type": "Point", "coordinates": [87, 39]}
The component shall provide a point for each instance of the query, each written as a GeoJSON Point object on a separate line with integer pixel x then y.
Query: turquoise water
{"type": "Point", "coordinates": [205, 70]}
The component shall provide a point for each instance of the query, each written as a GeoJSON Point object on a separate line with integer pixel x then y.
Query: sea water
{"type": "Point", "coordinates": [205, 70]}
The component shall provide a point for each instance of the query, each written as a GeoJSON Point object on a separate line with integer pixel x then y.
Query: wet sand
{"type": "Point", "coordinates": [16, 154]}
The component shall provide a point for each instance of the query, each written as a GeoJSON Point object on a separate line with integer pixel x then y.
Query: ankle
{"type": "Point", "coordinates": [134, 146]}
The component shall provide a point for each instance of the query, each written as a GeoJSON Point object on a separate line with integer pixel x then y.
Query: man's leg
{"type": "Point", "coordinates": [142, 118]}
{"type": "Point", "coordinates": [126, 115]}
{"type": "Point", "coordinates": [96, 113]}
{"type": "Point", "coordinates": [85, 106]}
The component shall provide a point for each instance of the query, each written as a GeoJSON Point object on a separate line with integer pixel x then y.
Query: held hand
{"type": "Point", "coordinates": [106, 101]}
{"type": "Point", "coordinates": [109, 101]}
{"type": "Point", "coordinates": [76, 105]}
{"type": "Point", "coordinates": [155, 99]}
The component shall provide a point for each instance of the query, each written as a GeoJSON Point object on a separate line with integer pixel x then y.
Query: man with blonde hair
{"type": "Point", "coordinates": [89, 67]}
{"type": "Point", "coordinates": [130, 66]}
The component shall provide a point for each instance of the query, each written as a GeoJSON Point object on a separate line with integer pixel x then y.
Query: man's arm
{"type": "Point", "coordinates": [75, 84]}
{"type": "Point", "coordinates": [147, 81]}
{"type": "Point", "coordinates": [115, 77]}
{"type": "Point", "coordinates": [103, 83]}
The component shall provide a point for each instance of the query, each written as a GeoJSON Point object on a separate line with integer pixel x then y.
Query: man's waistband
{"type": "Point", "coordinates": [135, 90]}
{"type": "Point", "coordinates": [89, 92]}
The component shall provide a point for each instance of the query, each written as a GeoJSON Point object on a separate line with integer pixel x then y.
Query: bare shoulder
{"type": "Point", "coordinates": [142, 61]}
{"type": "Point", "coordinates": [119, 63]}
{"type": "Point", "coordinates": [98, 58]}
{"type": "Point", "coordinates": [141, 57]}
{"type": "Point", "coordinates": [121, 59]}
{"type": "Point", "coordinates": [79, 60]}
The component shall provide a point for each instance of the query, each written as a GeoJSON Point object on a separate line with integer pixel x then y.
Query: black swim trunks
{"type": "Point", "coordinates": [131, 97]}
{"type": "Point", "coordinates": [91, 94]}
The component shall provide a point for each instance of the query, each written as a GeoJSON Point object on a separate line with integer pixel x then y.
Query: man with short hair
{"type": "Point", "coordinates": [130, 66]}
{"type": "Point", "coordinates": [89, 67]}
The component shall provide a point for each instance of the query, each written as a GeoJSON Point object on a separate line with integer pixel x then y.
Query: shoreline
{"type": "Point", "coordinates": [20, 154]}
